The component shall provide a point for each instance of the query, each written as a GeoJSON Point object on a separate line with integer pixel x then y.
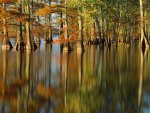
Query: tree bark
{"type": "Point", "coordinates": [66, 45]}
{"type": "Point", "coordinates": [6, 45]}
{"type": "Point", "coordinates": [80, 21]}
{"type": "Point", "coordinates": [143, 38]}
{"type": "Point", "coordinates": [66, 35]}
{"type": "Point", "coordinates": [30, 44]}
{"type": "Point", "coordinates": [50, 26]}
{"type": "Point", "coordinates": [28, 36]}
{"type": "Point", "coordinates": [80, 46]}
{"type": "Point", "coordinates": [98, 29]}
{"type": "Point", "coordinates": [20, 42]}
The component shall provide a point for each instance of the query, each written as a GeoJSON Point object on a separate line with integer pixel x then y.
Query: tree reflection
{"type": "Point", "coordinates": [94, 81]}
{"type": "Point", "coordinates": [5, 64]}
{"type": "Point", "coordinates": [143, 59]}
{"type": "Point", "coordinates": [66, 65]}
{"type": "Point", "coordinates": [19, 64]}
{"type": "Point", "coordinates": [80, 67]}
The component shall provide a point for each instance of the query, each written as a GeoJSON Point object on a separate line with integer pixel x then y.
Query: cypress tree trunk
{"type": "Point", "coordinates": [6, 45]}
{"type": "Point", "coordinates": [50, 26]}
{"type": "Point", "coordinates": [28, 36]}
{"type": "Point", "coordinates": [119, 23]}
{"type": "Point", "coordinates": [99, 30]}
{"type": "Point", "coordinates": [143, 42]}
{"type": "Point", "coordinates": [93, 37]}
{"type": "Point", "coordinates": [98, 27]}
{"type": "Point", "coordinates": [80, 21]}
{"type": "Point", "coordinates": [66, 24]}
{"type": "Point", "coordinates": [27, 25]}
{"type": "Point", "coordinates": [38, 41]}
{"type": "Point", "coordinates": [80, 46]}
{"type": "Point", "coordinates": [66, 45]}
{"type": "Point", "coordinates": [30, 44]}
{"type": "Point", "coordinates": [61, 25]}
{"type": "Point", "coordinates": [128, 24]}
{"type": "Point", "coordinates": [20, 43]}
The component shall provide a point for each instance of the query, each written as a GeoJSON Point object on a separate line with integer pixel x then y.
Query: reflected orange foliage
{"type": "Point", "coordinates": [2, 86]}
{"type": "Point", "coordinates": [45, 92]}
{"type": "Point", "coordinates": [11, 88]}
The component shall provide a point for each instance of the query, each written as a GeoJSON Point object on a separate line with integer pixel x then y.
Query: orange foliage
{"type": "Point", "coordinates": [9, 13]}
{"type": "Point", "coordinates": [59, 20]}
{"type": "Point", "coordinates": [4, 13]}
{"type": "Point", "coordinates": [49, 9]}
{"type": "Point", "coordinates": [42, 12]}
{"type": "Point", "coordinates": [61, 40]}
{"type": "Point", "coordinates": [8, 1]}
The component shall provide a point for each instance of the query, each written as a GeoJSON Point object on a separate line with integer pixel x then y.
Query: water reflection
{"type": "Point", "coordinates": [98, 80]}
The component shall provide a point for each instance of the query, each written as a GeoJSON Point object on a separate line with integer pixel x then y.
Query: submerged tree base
{"type": "Point", "coordinates": [45, 41]}
{"type": "Point", "coordinates": [31, 47]}
{"type": "Point", "coordinates": [7, 45]}
{"type": "Point", "coordinates": [48, 41]}
{"type": "Point", "coordinates": [144, 44]}
{"type": "Point", "coordinates": [66, 47]}
{"type": "Point", "coordinates": [20, 46]}
{"type": "Point", "coordinates": [80, 46]}
{"type": "Point", "coordinates": [37, 41]}
{"type": "Point", "coordinates": [95, 41]}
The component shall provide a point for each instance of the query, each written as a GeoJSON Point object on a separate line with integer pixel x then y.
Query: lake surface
{"type": "Point", "coordinates": [98, 80]}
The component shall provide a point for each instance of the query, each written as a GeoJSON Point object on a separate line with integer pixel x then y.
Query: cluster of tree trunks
{"type": "Point", "coordinates": [99, 32]}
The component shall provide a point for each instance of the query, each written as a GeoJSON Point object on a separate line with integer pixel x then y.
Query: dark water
{"type": "Point", "coordinates": [99, 80]}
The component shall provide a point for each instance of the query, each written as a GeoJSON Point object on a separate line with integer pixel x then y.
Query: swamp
{"type": "Point", "coordinates": [74, 56]}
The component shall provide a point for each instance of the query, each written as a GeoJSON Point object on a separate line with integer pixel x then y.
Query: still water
{"type": "Point", "coordinates": [98, 80]}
